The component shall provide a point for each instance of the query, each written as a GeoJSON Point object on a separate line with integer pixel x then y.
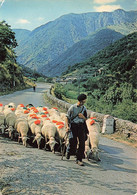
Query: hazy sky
{"type": "Point", "coordinates": [29, 14]}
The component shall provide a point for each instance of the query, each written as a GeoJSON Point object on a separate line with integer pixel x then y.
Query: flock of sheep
{"type": "Point", "coordinates": [27, 123]}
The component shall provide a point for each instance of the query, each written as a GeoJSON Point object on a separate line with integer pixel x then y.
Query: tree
{"type": "Point", "coordinates": [7, 40]}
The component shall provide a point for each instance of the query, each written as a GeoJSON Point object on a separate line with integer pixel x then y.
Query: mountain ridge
{"type": "Point", "coordinates": [82, 50]}
{"type": "Point", "coordinates": [47, 42]}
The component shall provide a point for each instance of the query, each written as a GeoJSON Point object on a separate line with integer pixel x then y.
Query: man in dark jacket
{"type": "Point", "coordinates": [75, 123]}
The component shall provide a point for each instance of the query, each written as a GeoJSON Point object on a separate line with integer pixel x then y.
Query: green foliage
{"type": "Point", "coordinates": [7, 40]}
{"type": "Point", "coordinates": [113, 89]}
{"type": "Point", "coordinates": [40, 79]}
{"type": "Point", "coordinates": [59, 91]}
{"type": "Point", "coordinates": [32, 74]}
{"type": "Point", "coordinates": [126, 110]}
{"type": "Point", "coordinates": [10, 73]}
{"type": "Point", "coordinates": [49, 80]}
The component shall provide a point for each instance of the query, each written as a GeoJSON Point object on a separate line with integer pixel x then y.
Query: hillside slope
{"type": "Point", "coordinates": [21, 34]}
{"type": "Point", "coordinates": [49, 41]}
{"type": "Point", "coordinates": [81, 51]}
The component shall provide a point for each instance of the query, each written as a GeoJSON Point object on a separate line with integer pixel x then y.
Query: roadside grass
{"type": "Point", "coordinates": [122, 139]}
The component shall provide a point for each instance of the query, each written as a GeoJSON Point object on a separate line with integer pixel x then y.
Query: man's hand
{"type": "Point", "coordinates": [67, 129]}
{"type": "Point", "coordinates": [80, 115]}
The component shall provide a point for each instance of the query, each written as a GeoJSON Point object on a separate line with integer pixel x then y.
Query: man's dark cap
{"type": "Point", "coordinates": [82, 97]}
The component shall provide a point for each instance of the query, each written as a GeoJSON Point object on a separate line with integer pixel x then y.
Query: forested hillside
{"type": "Point", "coordinates": [109, 78]}
{"type": "Point", "coordinates": [10, 73]}
{"type": "Point", "coordinates": [82, 50]}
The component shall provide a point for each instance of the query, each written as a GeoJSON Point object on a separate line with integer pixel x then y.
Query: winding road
{"type": "Point", "coordinates": [29, 171]}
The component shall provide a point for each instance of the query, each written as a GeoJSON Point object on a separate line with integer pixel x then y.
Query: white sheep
{"type": "Point", "coordinates": [35, 125]}
{"type": "Point", "coordinates": [52, 111]}
{"type": "Point", "coordinates": [12, 105]}
{"type": "Point", "coordinates": [63, 138]}
{"type": "Point", "coordinates": [88, 151]}
{"type": "Point", "coordinates": [10, 119]}
{"type": "Point", "coordinates": [22, 112]}
{"type": "Point", "coordinates": [56, 117]}
{"type": "Point", "coordinates": [2, 122]}
{"type": "Point", "coordinates": [49, 131]}
{"type": "Point", "coordinates": [2, 118]}
{"type": "Point", "coordinates": [94, 135]}
{"type": "Point", "coordinates": [63, 116]}
{"type": "Point", "coordinates": [1, 107]}
{"type": "Point", "coordinates": [42, 109]}
{"type": "Point", "coordinates": [22, 127]}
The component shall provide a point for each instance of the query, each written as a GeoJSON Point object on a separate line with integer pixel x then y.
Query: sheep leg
{"type": "Point", "coordinates": [45, 147]}
{"type": "Point", "coordinates": [19, 138]}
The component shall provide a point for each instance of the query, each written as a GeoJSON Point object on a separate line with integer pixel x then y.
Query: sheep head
{"type": "Point", "coordinates": [52, 143]}
{"type": "Point", "coordinates": [94, 154]}
{"type": "Point", "coordinates": [24, 140]}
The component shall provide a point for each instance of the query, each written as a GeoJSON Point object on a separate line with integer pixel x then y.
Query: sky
{"type": "Point", "coordinates": [30, 14]}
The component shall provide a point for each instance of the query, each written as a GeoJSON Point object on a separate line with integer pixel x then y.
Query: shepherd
{"type": "Point", "coordinates": [75, 123]}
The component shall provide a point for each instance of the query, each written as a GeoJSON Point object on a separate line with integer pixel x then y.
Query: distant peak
{"type": "Point", "coordinates": [119, 10]}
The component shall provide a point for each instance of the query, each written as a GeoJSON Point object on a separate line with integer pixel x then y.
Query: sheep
{"type": "Point", "coordinates": [12, 105]}
{"type": "Point", "coordinates": [42, 109]}
{"type": "Point", "coordinates": [87, 148]}
{"type": "Point", "coordinates": [35, 126]}
{"type": "Point", "coordinates": [22, 111]}
{"type": "Point", "coordinates": [49, 131]}
{"type": "Point", "coordinates": [63, 116]}
{"type": "Point", "coordinates": [22, 127]}
{"type": "Point", "coordinates": [63, 138]}
{"type": "Point", "coordinates": [2, 122]}
{"type": "Point", "coordinates": [94, 135]}
{"type": "Point", "coordinates": [55, 117]}
{"type": "Point", "coordinates": [10, 119]}
{"type": "Point", "coordinates": [53, 110]}
{"type": "Point", "coordinates": [43, 117]}
{"type": "Point", "coordinates": [1, 107]}
{"type": "Point", "coordinates": [7, 110]}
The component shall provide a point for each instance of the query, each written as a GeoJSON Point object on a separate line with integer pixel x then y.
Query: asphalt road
{"type": "Point", "coordinates": [27, 96]}
{"type": "Point", "coordinates": [29, 171]}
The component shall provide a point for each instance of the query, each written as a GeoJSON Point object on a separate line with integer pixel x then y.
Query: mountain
{"type": "Point", "coordinates": [81, 51]}
{"type": "Point", "coordinates": [47, 42]}
{"type": "Point", "coordinates": [118, 59]}
{"type": "Point", "coordinates": [21, 34]}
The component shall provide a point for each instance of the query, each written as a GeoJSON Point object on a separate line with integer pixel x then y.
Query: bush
{"type": "Point", "coordinates": [126, 110]}
{"type": "Point", "coordinates": [59, 91]}
{"type": "Point", "coordinates": [40, 79]}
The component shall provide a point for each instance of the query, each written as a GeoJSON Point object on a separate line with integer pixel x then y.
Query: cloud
{"type": "Point", "coordinates": [23, 21]}
{"type": "Point", "coordinates": [107, 8]}
{"type": "Point", "coordinates": [40, 18]}
{"type": "Point", "coordinates": [104, 1]}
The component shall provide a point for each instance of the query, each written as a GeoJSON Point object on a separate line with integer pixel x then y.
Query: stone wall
{"type": "Point", "coordinates": [121, 126]}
